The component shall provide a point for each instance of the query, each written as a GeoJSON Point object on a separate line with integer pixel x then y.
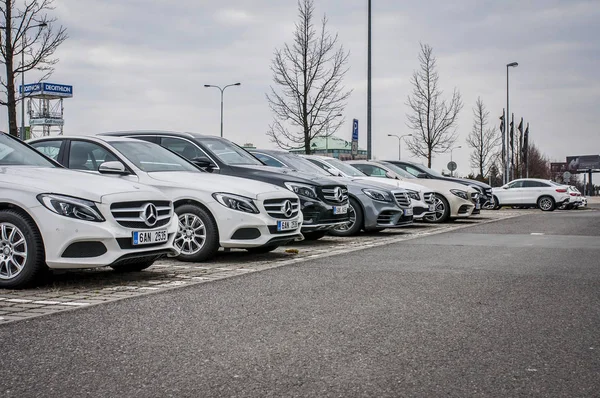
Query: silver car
{"type": "Point", "coordinates": [372, 206]}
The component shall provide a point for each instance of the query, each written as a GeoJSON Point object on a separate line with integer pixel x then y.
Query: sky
{"type": "Point", "coordinates": [142, 64]}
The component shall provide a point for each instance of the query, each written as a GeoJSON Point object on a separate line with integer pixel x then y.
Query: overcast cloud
{"type": "Point", "coordinates": [142, 64]}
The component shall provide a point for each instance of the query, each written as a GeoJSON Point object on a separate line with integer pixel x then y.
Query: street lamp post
{"type": "Point", "coordinates": [506, 123]}
{"type": "Point", "coordinates": [399, 143]}
{"type": "Point", "coordinates": [222, 90]}
{"type": "Point", "coordinates": [23, 44]}
{"type": "Point", "coordinates": [327, 135]}
{"type": "Point", "coordinates": [452, 149]}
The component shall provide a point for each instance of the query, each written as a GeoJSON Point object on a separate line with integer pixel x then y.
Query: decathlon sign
{"type": "Point", "coordinates": [49, 89]}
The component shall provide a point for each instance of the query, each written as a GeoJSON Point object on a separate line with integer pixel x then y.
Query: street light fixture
{"type": "Point", "coordinates": [506, 123]}
{"type": "Point", "coordinates": [399, 143]}
{"type": "Point", "coordinates": [222, 90]}
{"type": "Point", "coordinates": [452, 149]}
{"type": "Point", "coordinates": [327, 136]}
{"type": "Point", "coordinates": [41, 26]}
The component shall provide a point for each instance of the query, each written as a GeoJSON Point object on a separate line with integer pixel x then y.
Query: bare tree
{"type": "Point", "coordinates": [482, 139]}
{"type": "Point", "coordinates": [29, 40]}
{"type": "Point", "coordinates": [432, 118]}
{"type": "Point", "coordinates": [309, 92]}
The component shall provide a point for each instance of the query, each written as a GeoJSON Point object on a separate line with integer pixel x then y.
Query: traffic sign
{"type": "Point", "coordinates": [566, 176]}
{"type": "Point", "coordinates": [452, 166]}
{"type": "Point", "coordinates": [355, 130]}
{"type": "Point", "coordinates": [354, 148]}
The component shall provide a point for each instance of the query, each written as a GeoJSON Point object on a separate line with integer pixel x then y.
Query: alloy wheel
{"type": "Point", "coordinates": [440, 209]}
{"type": "Point", "coordinates": [191, 235]}
{"type": "Point", "coordinates": [13, 251]}
{"type": "Point", "coordinates": [546, 204]}
{"type": "Point", "coordinates": [351, 220]}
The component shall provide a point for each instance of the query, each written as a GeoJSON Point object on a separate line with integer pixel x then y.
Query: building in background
{"type": "Point", "coordinates": [334, 147]}
{"type": "Point", "coordinates": [45, 108]}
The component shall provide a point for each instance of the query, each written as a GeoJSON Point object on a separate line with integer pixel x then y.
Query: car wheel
{"type": "Point", "coordinates": [22, 258]}
{"type": "Point", "coordinates": [497, 205]}
{"type": "Point", "coordinates": [261, 249]}
{"type": "Point", "coordinates": [442, 210]}
{"type": "Point", "coordinates": [198, 235]}
{"type": "Point", "coordinates": [355, 222]}
{"type": "Point", "coordinates": [546, 203]}
{"type": "Point", "coordinates": [316, 235]}
{"type": "Point", "coordinates": [134, 266]}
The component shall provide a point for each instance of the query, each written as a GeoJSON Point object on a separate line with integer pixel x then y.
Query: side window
{"type": "Point", "coordinates": [515, 184]}
{"type": "Point", "coordinates": [268, 160]}
{"type": "Point", "coordinates": [365, 168]}
{"type": "Point", "coordinates": [411, 170]}
{"type": "Point", "coordinates": [317, 163]}
{"type": "Point", "coordinates": [378, 172]}
{"type": "Point", "coordinates": [48, 148]}
{"type": "Point", "coordinates": [88, 156]}
{"type": "Point", "coordinates": [182, 147]}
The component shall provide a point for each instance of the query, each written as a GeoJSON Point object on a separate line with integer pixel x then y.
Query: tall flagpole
{"type": "Point", "coordinates": [369, 147]}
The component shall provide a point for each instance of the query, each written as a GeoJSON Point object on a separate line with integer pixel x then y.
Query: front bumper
{"type": "Point", "coordinates": [72, 243]}
{"type": "Point", "coordinates": [460, 208]}
{"type": "Point", "coordinates": [385, 214]}
{"type": "Point", "coordinates": [319, 216]}
{"type": "Point", "coordinates": [422, 209]}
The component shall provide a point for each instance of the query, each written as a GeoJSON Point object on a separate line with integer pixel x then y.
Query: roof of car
{"type": "Point", "coordinates": [267, 151]}
{"type": "Point", "coordinates": [158, 132]}
{"type": "Point", "coordinates": [95, 138]}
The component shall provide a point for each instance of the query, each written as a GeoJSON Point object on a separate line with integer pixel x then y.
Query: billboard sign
{"type": "Point", "coordinates": [47, 122]}
{"type": "Point", "coordinates": [583, 163]}
{"type": "Point", "coordinates": [558, 168]}
{"type": "Point", "coordinates": [49, 89]}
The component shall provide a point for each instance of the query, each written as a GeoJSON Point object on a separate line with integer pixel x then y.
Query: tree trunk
{"type": "Point", "coordinates": [429, 156]}
{"type": "Point", "coordinates": [10, 76]}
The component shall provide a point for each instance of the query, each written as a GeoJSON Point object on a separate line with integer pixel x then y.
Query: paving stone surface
{"type": "Point", "coordinates": [69, 290]}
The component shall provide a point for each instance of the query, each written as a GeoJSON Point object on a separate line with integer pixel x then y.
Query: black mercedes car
{"type": "Point", "coordinates": [324, 201]}
{"type": "Point", "coordinates": [486, 199]}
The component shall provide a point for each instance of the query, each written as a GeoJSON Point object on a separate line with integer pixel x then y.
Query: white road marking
{"type": "Point", "coordinates": [19, 301]}
{"type": "Point", "coordinates": [538, 233]}
{"type": "Point", "coordinates": [47, 302]}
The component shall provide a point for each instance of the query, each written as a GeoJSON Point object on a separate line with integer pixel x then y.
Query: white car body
{"type": "Point", "coordinates": [21, 185]}
{"type": "Point", "coordinates": [422, 202]}
{"type": "Point", "coordinates": [530, 192]}
{"type": "Point", "coordinates": [198, 187]}
{"type": "Point", "coordinates": [460, 207]}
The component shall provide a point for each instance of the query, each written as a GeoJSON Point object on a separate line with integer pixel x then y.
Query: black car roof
{"type": "Point", "coordinates": [158, 132]}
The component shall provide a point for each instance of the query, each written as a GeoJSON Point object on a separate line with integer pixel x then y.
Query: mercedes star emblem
{"type": "Point", "coordinates": [150, 215]}
{"type": "Point", "coordinates": [338, 194]}
{"type": "Point", "coordinates": [287, 208]}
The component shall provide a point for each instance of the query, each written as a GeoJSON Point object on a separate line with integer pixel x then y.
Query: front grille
{"type": "Point", "coordinates": [133, 214]}
{"type": "Point", "coordinates": [276, 207]}
{"type": "Point", "coordinates": [429, 198]}
{"type": "Point", "coordinates": [475, 197]}
{"type": "Point", "coordinates": [387, 217]}
{"type": "Point", "coordinates": [402, 199]}
{"type": "Point", "coordinates": [334, 194]}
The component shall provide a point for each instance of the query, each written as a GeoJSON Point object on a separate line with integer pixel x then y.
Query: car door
{"type": "Point", "coordinates": [51, 148]}
{"type": "Point", "coordinates": [188, 150]}
{"type": "Point", "coordinates": [531, 191]}
{"type": "Point", "coordinates": [512, 194]}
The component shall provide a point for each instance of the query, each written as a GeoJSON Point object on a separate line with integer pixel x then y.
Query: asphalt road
{"type": "Point", "coordinates": [503, 309]}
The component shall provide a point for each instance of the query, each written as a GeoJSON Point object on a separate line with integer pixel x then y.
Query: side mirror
{"type": "Point", "coordinates": [422, 175]}
{"type": "Point", "coordinates": [390, 175]}
{"type": "Point", "coordinates": [203, 163]}
{"type": "Point", "coordinates": [115, 168]}
{"type": "Point", "coordinates": [505, 187]}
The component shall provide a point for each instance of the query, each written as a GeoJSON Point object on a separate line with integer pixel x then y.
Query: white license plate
{"type": "Point", "coordinates": [431, 207]}
{"type": "Point", "coordinates": [478, 205]}
{"type": "Point", "coordinates": [408, 212]}
{"type": "Point", "coordinates": [287, 225]}
{"type": "Point", "coordinates": [148, 237]}
{"type": "Point", "coordinates": [340, 209]}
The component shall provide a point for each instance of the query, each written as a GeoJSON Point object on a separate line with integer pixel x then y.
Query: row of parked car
{"type": "Point", "coordinates": [125, 199]}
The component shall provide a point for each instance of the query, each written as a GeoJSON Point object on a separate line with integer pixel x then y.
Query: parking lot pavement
{"type": "Point", "coordinates": [69, 290]}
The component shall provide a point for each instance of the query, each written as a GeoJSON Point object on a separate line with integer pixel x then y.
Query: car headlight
{"type": "Point", "coordinates": [68, 206]}
{"type": "Point", "coordinates": [379, 195]}
{"type": "Point", "coordinates": [414, 195]}
{"type": "Point", "coordinates": [460, 194]}
{"type": "Point", "coordinates": [302, 189]}
{"type": "Point", "coordinates": [236, 202]}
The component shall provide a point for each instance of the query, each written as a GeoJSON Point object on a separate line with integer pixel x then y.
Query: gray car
{"type": "Point", "coordinates": [372, 206]}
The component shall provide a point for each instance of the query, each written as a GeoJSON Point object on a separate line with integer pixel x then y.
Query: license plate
{"type": "Point", "coordinates": [340, 209]}
{"type": "Point", "coordinates": [148, 237]}
{"type": "Point", "coordinates": [408, 212]}
{"type": "Point", "coordinates": [478, 206]}
{"type": "Point", "coordinates": [431, 207]}
{"type": "Point", "coordinates": [287, 225]}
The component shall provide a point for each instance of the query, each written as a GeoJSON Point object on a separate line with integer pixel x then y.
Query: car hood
{"type": "Point", "coordinates": [392, 183]}
{"type": "Point", "coordinates": [480, 184]}
{"type": "Point", "coordinates": [70, 183]}
{"type": "Point", "coordinates": [214, 183]}
{"type": "Point", "coordinates": [443, 185]}
{"type": "Point", "coordinates": [279, 175]}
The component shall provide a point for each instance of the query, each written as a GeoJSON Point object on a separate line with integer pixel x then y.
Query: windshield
{"type": "Point", "coordinates": [344, 168]}
{"type": "Point", "coordinates": [299, 164]}
{"type": "Point", "coordinates": [15, 153]}
{"type": "Point", "coordinates": [229, 153]}
{"type": "Point", "coordinates": [424, 169]}
{"type": "Point", "coordinates": [402, 173]}
{"type": "Point", "coordinates": [150, 157]}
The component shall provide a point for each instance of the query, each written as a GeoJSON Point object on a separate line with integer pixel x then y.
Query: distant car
{"type": "Point", "coordinates": [544, 194]}
{"type": "Point", "coordinates": [323, 201]}
{"type": "Point", "coordinates": [452, 200]}
{"type": "Point", "coordinates": [373, 206]}
{"type": "Point", "coordinates": [213, 210]}
{"type": "Point", "coordinates": [422, 198]}
{"type": "Point", "coordinates": [421, 171]}
{"type": "Point", "coordinates": [51, 217]}
{"type": "Point", "coordinates": [575, 199]}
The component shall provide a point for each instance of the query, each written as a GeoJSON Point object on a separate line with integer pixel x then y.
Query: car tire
{"type": "Point", "coordinates": [442, 210]}
{"type": "Point", "coordinates": [354, 226]}
{"type": "Point", "coordinates": [134, 266]}
{"type": "Point", "coordinates": [546, 203]}
{"type": "Point", "coordinates": [20, 235]}
{"type": "Point", "coordinates": [315, 235]}
{"type": "Point", "coordinates": [497, 205]}
{"type": "Point", "coordinates": [195, 246]}
{"type": "Point", "coordinates": [261, 249]}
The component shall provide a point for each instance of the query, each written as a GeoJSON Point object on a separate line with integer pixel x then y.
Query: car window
{"type": "Point", "coordinates": [316, 163]}
{"type": "Point", "coordinates": [85, 155]}
{"type": "Point", "coordinates": [345, 168]}
{"type": "Point", "coordinates": [410, 169]}
{"type": "Point", "coordinates": [48, 148]}
{"type": "Point", "coordinates": [268, 160]}
{"type": "Point", "coordinates": [534, 184]}
{"type": "Point", "coordinates": [229, 153]}
{"type": "Point", "coordinates": [371, 170]}
{"type": "Point", "coordinates": [15, 153]}
{"type": "Point", "coordinates": [183, 148]}
{"type": "Point", "coordinates": [515, 184]}
{"type": "Point", "coordinates": [150, 157]}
